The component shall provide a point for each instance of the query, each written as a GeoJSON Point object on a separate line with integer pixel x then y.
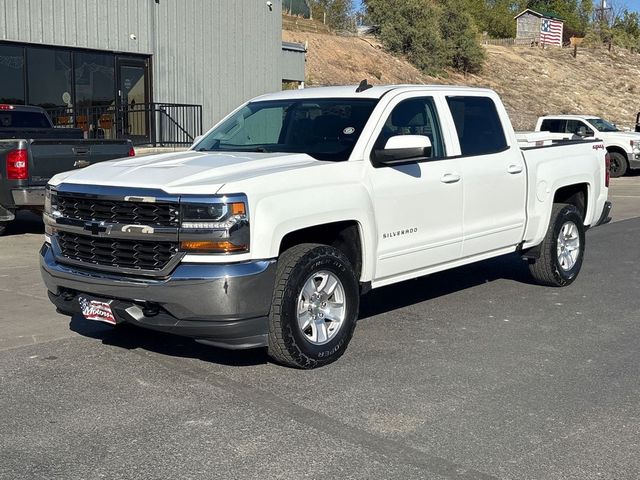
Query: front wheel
{"type": "Point", "coordinates": [562, 249]}
{"type": "Point", "coordinates": [314, 308]}
{"type": "Point", "coordinates": [3, 227]}
{"type": "Point", "coordinates": [618, 166]}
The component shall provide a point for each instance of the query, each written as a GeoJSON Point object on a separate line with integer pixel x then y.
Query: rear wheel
{"type": "Point", "coordinates": [562, 249]}
{"type": "Point", "coordinates": [314, 308]}
{"type": "Point", "coordinates": [619, 165]}
{"type": "Point", "coordinates": [3, 227]}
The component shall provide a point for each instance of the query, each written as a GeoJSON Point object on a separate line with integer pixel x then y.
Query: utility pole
{"type": "Point", "coordinates": [602, 13]}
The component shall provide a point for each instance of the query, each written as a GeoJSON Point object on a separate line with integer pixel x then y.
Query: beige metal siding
{"type": "Point", "coordinates": [217, 53]}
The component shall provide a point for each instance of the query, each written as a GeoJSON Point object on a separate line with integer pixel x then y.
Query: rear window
{"type": "Point", "coordinates": [9, 119]}
{"type": "Point", "coordinates": [478, 125]}
{"type": "Point", "coordinates": [553, 125]}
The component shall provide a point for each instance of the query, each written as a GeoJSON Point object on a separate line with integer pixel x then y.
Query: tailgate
{"type": "Point", "coordinates": [49, 157]}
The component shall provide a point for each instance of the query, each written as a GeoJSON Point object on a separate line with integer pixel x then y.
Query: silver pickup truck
{"type": "Point", "coordinates": [32, 151]}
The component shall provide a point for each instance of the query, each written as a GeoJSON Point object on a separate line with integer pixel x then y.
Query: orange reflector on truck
{"type": "Point", "coordinates": [211, 247]}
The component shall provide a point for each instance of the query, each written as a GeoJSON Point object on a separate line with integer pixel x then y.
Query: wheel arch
{"type": "Point", "coordinates": [345, 235]}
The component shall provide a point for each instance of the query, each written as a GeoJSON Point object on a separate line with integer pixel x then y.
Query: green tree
{"type": "Point", "coordinates": [338, 13]}
{"type": "Point", "coordinates": [460, 37]}
{"type": "Point", "coordinates": [432, 34]}
{"type": "Point", "coordinates": [494, 17]}
{"type": "Point", "coordinates": [411, 28]}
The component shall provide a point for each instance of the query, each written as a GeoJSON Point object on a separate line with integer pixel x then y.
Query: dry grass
{"type": "Point", "coordinates": [531, 81]}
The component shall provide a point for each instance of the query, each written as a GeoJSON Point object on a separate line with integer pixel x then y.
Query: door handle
{"type": "Point", "coordinates": [513, 169]}
{"type": "Point", "coordinates": [80, 151]}
{"type": "Point", "coordinates": [450, 178]}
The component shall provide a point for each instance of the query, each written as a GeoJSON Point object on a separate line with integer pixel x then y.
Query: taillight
{"type": "Point", "coordinates": [17, 165]}
{"type": "Point", "coordinates": [132, 152]}
{"type": "Point", "coordinates": [6, 107]}
{"type": "Point", "coordinates": [607, 166]}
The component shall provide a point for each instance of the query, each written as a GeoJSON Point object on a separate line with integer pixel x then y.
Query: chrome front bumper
{"type": "Point", "coordinates": [220, 304]}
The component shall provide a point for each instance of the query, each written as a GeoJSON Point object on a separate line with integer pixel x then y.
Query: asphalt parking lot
{"type": "Point", "coordinates": [474, 373]}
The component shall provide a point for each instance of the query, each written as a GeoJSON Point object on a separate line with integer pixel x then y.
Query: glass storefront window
{"type": "Point", "coordinates": [49, 77]}
{"type": "Point", "coordinates": [11, 74]}
{"type": "Point", "coordinates": [94, 79]}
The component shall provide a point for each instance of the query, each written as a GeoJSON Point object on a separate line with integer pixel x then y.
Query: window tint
{"type": "Point", "coordinates": [94, 79]}
{"type": "Point", "coordinates": [11, 75]}
{"type": "Point", "coordinates": [573, 126]}
{"type": "Point", "coordinates": [49, 77]}
{"type": "Point", "coordinates": [416, 116]}
{"type": "Point", "coordinates": [10, 119]}
{"type": "Point", "coordinates": [553, 125]}
{"type": "Point", "coordinates": [478, 125]}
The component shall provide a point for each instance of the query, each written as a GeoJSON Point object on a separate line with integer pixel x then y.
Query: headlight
{"type": "Point", "coordinates": [218, 225]}
{"type": "Point", "coordinates": [50, 213]}
{"type": "Point", "coordinates": [47, 200]}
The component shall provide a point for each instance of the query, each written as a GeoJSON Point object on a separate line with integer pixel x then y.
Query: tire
{"type": "Point", "coordinates": [619, 164]}
{"type": "Point", "coordinates": [304, 277]}
{"type": "Point", "coordinates": [557, 265]}
{"type": "Point", "coordinates": [3, 227]}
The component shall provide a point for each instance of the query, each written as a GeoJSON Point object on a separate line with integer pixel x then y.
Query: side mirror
{"type": "Point", "coordinates": [584, 132]}
{"type": "Point", "coordinates": [402, 149]}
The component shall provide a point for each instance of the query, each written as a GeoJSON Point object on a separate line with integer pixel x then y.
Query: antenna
{"type": "Point", "coordinates": [364, 85]}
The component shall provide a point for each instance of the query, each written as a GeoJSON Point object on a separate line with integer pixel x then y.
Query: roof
{"type": "Point", "coordinates": [570, 117]}
{"type": "Point", "coordinates": [5, 107]}
{"type": "Point", "coordinates": [293, 47]}
{"type": "Point", "coordinates": [540, 14]}
{"type": "Point", "coordinates": [350, 91]}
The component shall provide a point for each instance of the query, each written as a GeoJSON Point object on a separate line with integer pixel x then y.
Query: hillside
{"type": "Point", "coordinates": [531, 81]}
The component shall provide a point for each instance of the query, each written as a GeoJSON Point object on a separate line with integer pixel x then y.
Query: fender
{"type": "Point", "coordinates": [277, 215]}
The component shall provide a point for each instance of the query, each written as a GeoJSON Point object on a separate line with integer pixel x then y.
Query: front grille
{"type": "Point", "coordinates": [134, 254]}
{"type": "Point", "coordinates": [115, 211]}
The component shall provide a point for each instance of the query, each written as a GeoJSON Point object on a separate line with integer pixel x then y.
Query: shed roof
{"type": "Point", "coordinates": [539, 14]}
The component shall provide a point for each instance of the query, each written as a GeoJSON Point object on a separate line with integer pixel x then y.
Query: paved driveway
{"type": "Point", "coordinates": [473, 373]}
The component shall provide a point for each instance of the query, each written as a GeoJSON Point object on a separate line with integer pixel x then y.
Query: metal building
{"type": "Point", "coordinates": [156, 71]}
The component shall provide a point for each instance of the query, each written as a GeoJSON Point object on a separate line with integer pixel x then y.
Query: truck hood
{"type": "Point", "coordinates": [621, 136]}
{"type": "Point", "coordinates": [185, 172]}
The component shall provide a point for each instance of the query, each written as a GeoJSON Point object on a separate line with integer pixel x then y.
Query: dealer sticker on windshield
{"type": "Point", "coordinates": [96, 310]}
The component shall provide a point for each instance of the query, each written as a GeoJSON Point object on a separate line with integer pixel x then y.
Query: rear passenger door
{"type": "Point", "coordinates": [493, 174]}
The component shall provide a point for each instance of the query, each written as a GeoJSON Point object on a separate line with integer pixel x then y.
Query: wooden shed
{"type": "Point", "coordinates": [539, 27]}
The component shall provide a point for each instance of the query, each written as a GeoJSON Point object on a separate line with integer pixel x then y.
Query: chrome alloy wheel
{"type": "Point", "coordinates": [568, 246]}
{"type": "Point", "coordinates": [321, 307]}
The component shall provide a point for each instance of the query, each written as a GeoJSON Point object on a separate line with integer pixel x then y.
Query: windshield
{"type": "Point", "coordinates": [325, 129]}
{"type": "Point", "coordinates": [602, 125]}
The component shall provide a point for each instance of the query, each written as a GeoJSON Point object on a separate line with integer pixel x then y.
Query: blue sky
{"type": "Point", "coordinates": [633, 5]}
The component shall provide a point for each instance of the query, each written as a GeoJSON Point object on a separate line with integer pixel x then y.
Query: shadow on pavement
{"type": "Point", "coordinates": [380, 301]}
{"type": "Point", "coordinates": [25, 222]}
{"type": "Point", "coordinates": [385, 299]}
{"type": "Point", "coordinates": [131, 337]}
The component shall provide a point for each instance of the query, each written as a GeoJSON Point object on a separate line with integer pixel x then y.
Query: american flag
{"type": "Point", "coordinates": [551, 32]}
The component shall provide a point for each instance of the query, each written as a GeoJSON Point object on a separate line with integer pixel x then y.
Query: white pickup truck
{"type": "Point", "coordinates": [267, 231]}
{"type": "Point", "coordinates": [623, 147]}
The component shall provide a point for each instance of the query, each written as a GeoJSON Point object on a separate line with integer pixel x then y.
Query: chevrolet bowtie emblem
{"type": "Point", "coordinates": [95, 227]}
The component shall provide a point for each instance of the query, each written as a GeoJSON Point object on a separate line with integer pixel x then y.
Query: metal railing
{"type": "Point", "coordinates": [154, 124]}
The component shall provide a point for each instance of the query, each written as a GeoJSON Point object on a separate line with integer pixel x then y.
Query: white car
{"type": "Point", "coordinates": [267, 231]}
{"type": "Point", "coordinates": [623, 147]}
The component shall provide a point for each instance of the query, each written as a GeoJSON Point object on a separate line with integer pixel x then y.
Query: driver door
{"type": "Point", "coordinates": [418, 206]}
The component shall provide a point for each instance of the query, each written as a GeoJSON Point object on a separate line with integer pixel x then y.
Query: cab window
{"type": "Point", "coordinates": [415, 116]}
{"type": "Point", "coordinates": [478, 125]}
{"type": "Point", "coordinates": [553, 125]}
